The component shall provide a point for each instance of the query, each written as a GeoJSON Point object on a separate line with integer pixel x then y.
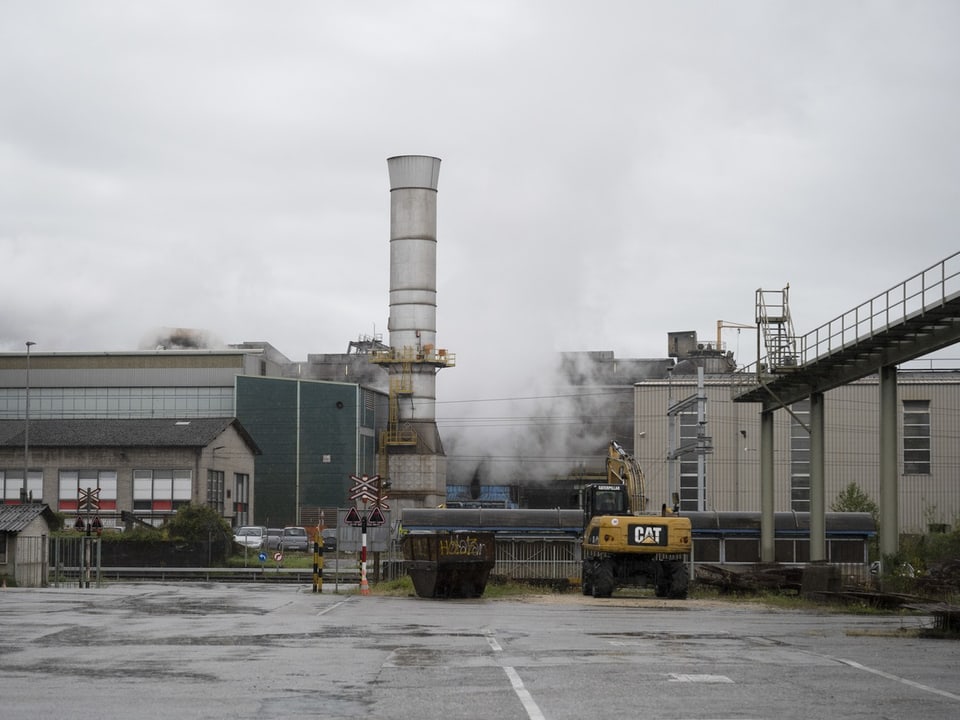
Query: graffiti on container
{"type": "Point", "coordinates": [462, 546]}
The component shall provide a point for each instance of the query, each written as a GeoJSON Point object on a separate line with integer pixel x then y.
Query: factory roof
{"type": "Point", "coordinates": [14, 518]}
{"type": "Point", "coordinates": [109, 432]}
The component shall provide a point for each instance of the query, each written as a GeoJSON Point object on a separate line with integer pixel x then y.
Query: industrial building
{"type": "Point", "coordinates": [308, 426]}
{"type": "Point", "coordinates": [707, 450]}
{"type": "Point", "coordinates": [105, 420]}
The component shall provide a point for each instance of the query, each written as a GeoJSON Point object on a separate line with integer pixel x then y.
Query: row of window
{"type": "Point", "coordinates": [134, 402]}
{"type": "Point", "coordinates": [161, 490]}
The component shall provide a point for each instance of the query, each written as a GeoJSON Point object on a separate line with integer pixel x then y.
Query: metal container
{"type": "Point", "coordinates": [449, 564]}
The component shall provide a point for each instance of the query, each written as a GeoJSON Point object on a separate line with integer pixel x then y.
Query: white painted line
{"type": "Point", "coordinates": [526, 699]}
{"type": "Point", "coordinates": [533, 710]}
{"type": "Point", "coordinates": [332, 607]}
{"type": "Point", "coordinates": [683, 677]}
{"type": "Point", "coordinates": [896, 678]}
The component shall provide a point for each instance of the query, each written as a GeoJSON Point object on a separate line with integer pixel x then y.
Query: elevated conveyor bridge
{"type": "Point", "coordinates": [915, 318]}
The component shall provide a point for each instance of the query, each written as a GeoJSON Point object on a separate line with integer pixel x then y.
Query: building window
{"type": "Point", "coordinates": [690, 490]}
{"type": "Point", "coordinates": [215, 490]}
{"type": "Point", "coordinates": [161, 490]}
{"type": "Point", "coordinates": [241, 504]}
{"type": "Point", "coordinates": [12, 490]}
{"type": "Point", "coordinates": [800, 457]}
{"type": "Point", "coordinates": [916, 437]}
{"type": "Point", "coordinates": [73, 481]}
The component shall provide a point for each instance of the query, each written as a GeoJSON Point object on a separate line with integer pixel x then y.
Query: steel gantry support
{"type": "Point", "coordinates": [889, 442]}
{"type": "Point", "coordinates": [767, 530]}
{"type": "Point", "coordinates": [818, 524]}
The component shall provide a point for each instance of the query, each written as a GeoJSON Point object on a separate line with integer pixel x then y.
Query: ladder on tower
{"type": "Point", "coordinates": [776, 327]}
{"type": "Point", "coordinates": [400, 385]}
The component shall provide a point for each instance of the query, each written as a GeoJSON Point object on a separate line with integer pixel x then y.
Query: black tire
{"type": "Point", "coordinates": [586, 578]}
{"type": "Point", "coordinates": [661, 587]}
{"type": "Point", "coordinates": [678, 579]}
{"type": "Point", "coordinates": [603, 582]}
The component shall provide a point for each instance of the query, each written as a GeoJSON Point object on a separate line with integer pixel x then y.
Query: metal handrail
{"type": "Point", "coordinates": [925, 290]}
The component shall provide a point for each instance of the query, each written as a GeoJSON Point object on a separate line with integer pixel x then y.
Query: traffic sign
{"type": "Point", "coordinates": [278, 557]}
{"type": "Point", "coordinates": [353, 517]}
{"type": "Point", "coordinates": [376, 517]}
{"type": "Point", "coordinates": [365, 489]}
{"type": "Point", "coordinates": [90, 498]}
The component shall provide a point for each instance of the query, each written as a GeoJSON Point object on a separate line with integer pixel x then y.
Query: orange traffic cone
{"type": "Point", "coordinates": [364, 587]}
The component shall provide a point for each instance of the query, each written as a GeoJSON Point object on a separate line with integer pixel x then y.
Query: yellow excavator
{"type": "Point", "coordinates": [624, 546]}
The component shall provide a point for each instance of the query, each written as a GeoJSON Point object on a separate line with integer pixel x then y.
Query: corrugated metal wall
{"type": "Point", "coordinates": [313, 434]}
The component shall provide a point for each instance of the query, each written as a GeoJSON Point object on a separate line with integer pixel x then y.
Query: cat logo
{"type": "Point", "coordinates": [648, 535]}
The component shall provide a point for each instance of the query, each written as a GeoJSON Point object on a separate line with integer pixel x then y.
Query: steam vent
{"type": "Point", "coordinates": [411, 454]}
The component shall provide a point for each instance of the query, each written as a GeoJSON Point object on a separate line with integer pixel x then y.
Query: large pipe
{"type": "Point", "coordinates": [413, 277]}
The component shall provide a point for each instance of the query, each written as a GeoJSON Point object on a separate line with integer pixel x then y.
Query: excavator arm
{"type": "Point", "coordinates": [623, 469]}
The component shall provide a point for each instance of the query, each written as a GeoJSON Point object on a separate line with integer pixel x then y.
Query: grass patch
{"type": "Point", "coordinates": [494, 590]}
{"type": "Point", "coordinates": [401, 587]}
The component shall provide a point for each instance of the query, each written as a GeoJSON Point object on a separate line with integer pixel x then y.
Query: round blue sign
{"type": "Point", "coordinates": [262, 557]}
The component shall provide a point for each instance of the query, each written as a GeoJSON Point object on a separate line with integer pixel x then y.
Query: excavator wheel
{"type": "Point", "coordinates": [586, 578]}
{"type": "Point", "coordinates": [672, 580]}
{"type": "Point", "coordinates": [603, 582]}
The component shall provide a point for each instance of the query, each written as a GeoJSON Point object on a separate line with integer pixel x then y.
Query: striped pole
{"type": "Point", "coordinates": [364, 587]}
{"type": "Point", "coordinates": [317, 562]}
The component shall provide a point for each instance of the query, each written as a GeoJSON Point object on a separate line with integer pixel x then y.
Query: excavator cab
{"type": "Point", "coordinates": [604, 499]}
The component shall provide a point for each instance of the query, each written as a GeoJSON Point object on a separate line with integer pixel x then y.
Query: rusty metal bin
{"type": "Point", "coordinates": [446, 564]}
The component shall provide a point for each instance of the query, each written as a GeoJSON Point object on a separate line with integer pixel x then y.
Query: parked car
{"type": "Point", "coordinates": [293, 539]}
{"type": "Point", "coordinates": [272, 541]}
{"type": "Point", "coordinates": [250, 536]}
{"type": "Point", "coordinates": [329, 540]}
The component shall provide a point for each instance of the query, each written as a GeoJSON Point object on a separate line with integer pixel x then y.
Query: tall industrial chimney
{"type": "Point", "coordinates": [411, 453]}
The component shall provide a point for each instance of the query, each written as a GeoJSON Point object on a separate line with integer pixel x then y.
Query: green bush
{"type": "Point", "coordinates": [196, 523]}
{"type": "Point", "coordinates": [853, 499]}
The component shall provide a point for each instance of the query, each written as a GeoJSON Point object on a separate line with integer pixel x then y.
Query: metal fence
{"type": "Point", "coordinates": [553, 559]}
{"type": "Point", "coordinates": [30, 561]}
{"type": "Point", "coordinates": [75, 560]}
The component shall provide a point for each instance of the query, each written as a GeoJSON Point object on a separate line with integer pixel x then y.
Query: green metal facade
{"type": "Point", "coordinates": [313, 435]}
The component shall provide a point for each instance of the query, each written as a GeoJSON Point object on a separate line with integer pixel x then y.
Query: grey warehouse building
{"type": "Point", "coordinates": [315, 433]}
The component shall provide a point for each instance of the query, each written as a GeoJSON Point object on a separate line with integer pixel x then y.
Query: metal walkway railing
{"type": "Point", "coordinates": [911, 319]}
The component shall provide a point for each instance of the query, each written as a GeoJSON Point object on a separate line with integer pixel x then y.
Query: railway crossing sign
{"type": "Point", "coordinates": [375, 517]}
{"type": "Point", "coordinates": [89, 498]}
{"type": "Point", "coordinates": [365, 488]}
{"type": "Point", "coordinates": [353, 517]}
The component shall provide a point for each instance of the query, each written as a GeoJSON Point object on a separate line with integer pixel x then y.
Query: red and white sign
{"type": "Point", "coordinates": [365, 488]}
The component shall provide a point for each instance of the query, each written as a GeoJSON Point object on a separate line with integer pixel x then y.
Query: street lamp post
{"type": "Point", "coordinates": [26, 427]}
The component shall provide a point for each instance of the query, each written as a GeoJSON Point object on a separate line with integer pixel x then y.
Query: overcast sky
{"type": "Point", "coordinates": [612, 171]}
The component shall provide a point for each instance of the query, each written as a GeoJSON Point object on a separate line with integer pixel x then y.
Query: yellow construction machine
{"type": "Point", "coordinates": [623, 546]}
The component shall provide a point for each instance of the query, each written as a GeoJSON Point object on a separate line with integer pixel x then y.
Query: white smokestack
{"type": "Point", "coordinates": [413, 282]}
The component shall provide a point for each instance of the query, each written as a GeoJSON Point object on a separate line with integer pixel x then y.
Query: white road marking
{"type": "Point", "coordinates": [332, 607]}
{"type": "Point", "coordinates": [526, 699]}
{"type": "Point", "coordinates": [683, 677]}
{"type": "Point", "coordinates": [896, 678]}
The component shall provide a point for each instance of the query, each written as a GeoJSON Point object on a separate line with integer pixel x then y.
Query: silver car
{"type": "Point", "coordinates": [272, 541]}
{"type": "Point", "coordinates": [295, 538]}
{"type": "Point", "coordinates": [250, 536]}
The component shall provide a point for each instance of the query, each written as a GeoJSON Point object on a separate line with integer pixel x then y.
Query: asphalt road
{"type": "Point", "coordinates": [196, 650]}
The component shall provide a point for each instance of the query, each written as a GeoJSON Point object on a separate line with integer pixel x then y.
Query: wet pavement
{"type": "Point", "coordinates": [208, 650]}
